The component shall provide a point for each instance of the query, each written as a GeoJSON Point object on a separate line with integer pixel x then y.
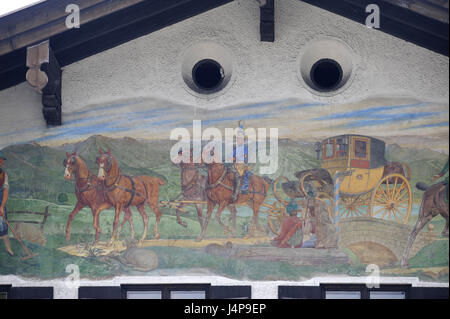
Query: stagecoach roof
{"type": "Point", "coordinates": [353, 135]}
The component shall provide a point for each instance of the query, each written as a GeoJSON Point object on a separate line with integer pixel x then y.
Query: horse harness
{"type": "Point", "coordinates": [87, 187]}
{"type": "Point", "coordinates": [132, 190]}
{"type": "Point", "coordinates": [220, 182]}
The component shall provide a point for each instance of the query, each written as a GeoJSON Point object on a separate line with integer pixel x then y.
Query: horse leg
{"type": "Point", "coordinates": [179, 220]}
{"type": "Point", "coordinates": [211, 207]}
{"type": "Point", "coordinates": [199, 208]}
{"type": "Point", "coordinates": [155, 208]}
{"type": "Point", "coordinates": [95, 215]}
{"type": "Point", "coordinates": [256, 206]}
{"type": "Point", "coordinates": [422, 220]}
{"type": "Point", "coordinates": [233, 212]}
{"type": "Point", "coordinates": [119, 209]}
{"type": "Point", "coordinates": [75, 211]}
{"type": "Point", "coordinates": [445, 230]}
{"type": "Point", "coordinates": [144, 216]}
{"type": "Point", "coordinates": [226, 228]}
{"type": "Point", "coordinates": [128, 217]}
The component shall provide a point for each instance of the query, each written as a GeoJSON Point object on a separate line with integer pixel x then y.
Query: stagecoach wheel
{"type": "Point", "coordinates": [312, 181]}
{"type": "Point", "coordinates": [392, 199]}
{"type": "Point", "coordinates": [354, 206]}
{"type": "Point", "coordinates": [275, 216]}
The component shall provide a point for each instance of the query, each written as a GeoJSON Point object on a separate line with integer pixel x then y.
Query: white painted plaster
{"type": "Point", "coordinates": [151, 65]}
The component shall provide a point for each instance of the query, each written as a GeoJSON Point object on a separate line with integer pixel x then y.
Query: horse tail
{"type": "Point", "coordinates": [268, 180]}
{"type": "Point", "coordinates": [422, 186]}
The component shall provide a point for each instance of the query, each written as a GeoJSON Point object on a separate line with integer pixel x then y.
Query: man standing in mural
{"type": "Point", "coordinates": [291, 234]}
{"type": "Point", "coordinates": [4, 192]}
{"type": "Point", "coordinates": [240, 166]}
{"type": "Point", "coordinates": [442, 173]}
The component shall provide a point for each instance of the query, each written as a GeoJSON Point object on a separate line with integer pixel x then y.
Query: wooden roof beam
{"type": "Point", "coordinates": [45, 75]}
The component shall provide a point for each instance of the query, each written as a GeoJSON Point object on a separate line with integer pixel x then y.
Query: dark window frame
{"type": "Point", "coordinates": [28, 292]}
{"type": "Point", "coordinates": [364, 290]}
{"type": "Point", "coordinates": [117, 292]}
{"type": "Point", "coordinates": [166, 289]}
{"type": "Point", "coordinates": [319, 292]}
{"type": "Point", "coordinates": [6, 289]}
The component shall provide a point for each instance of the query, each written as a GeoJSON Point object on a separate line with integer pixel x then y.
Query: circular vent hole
{"type": "Point", "coordinates": [208, 74]}
{"type": "Point", "coordinates": [326, 74]}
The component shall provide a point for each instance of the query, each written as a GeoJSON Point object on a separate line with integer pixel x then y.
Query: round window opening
{"type": "Point", "coordinates": [326, 74]}
{"type": "Point", "coordinates": [208, 75]}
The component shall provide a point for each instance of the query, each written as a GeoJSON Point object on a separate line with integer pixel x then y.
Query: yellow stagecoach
{"type": "Point", "coordinates": [355, 179]}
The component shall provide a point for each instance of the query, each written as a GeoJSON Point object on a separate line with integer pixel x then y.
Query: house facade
{"type": "Point", "coordinates": [120, 133]}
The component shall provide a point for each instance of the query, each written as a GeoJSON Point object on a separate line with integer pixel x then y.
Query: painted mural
{"type": "Point", "coordinates": [354, 185]}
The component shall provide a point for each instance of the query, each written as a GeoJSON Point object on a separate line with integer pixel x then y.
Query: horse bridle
{"type": "Point", "coordinates": [89, 178]}
{"type": "Point", "coordinates": [115, 184]}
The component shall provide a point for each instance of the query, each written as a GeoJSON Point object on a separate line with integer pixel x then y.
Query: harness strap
{"type": "Point", "coordinates": [220, 180]}
{"type": "Point", "coordinates": [86, 187]}
{"type": "Point", "coordinates": [132, 191]}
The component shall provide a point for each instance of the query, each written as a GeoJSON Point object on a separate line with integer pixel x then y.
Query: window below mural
{"type": "Point", "coordinates": [330, 294]}
{"type": "Point", "coordinates": [172, 291]}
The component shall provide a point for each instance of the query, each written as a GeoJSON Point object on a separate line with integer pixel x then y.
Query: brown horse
{"type": "Point", "coordinates": [433, 204]}
{"type": "Point", "coordinates": [219, 191]}
{"type": "Point", "coordinates": [126, 191]}
{"type": "Point", "coordinates": [89, 192]}
{"type": "Point", "coordinates": [193, 185]}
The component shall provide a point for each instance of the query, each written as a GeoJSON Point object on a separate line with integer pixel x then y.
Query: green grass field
{"type": "Point", "coordinates": [51, 263]}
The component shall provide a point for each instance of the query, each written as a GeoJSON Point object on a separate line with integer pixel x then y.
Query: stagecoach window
{"type": "Point", "coordinates": [329, 150]}
{"type": "Point", "coordinates": [360, 149]}
{"type": "Point", "coordinates": [342, 150]}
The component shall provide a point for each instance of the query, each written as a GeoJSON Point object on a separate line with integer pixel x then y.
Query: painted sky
{"type": "Point", "coordinates": [394, 120]}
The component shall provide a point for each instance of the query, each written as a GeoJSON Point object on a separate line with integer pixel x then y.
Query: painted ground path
{"type": "Point", "coordinates": [103, 249]}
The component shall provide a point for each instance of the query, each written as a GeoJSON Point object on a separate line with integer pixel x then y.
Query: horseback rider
{"type": "Point", "coordinates": [240, 166]}
{"type": "Point", "coordinates": [445, 182]}
{"type": "Point", "coordinates": [4, 192]}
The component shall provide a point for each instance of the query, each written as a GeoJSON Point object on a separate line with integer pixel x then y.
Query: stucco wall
{"type": "Point", "coordinates": [150, 66]}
